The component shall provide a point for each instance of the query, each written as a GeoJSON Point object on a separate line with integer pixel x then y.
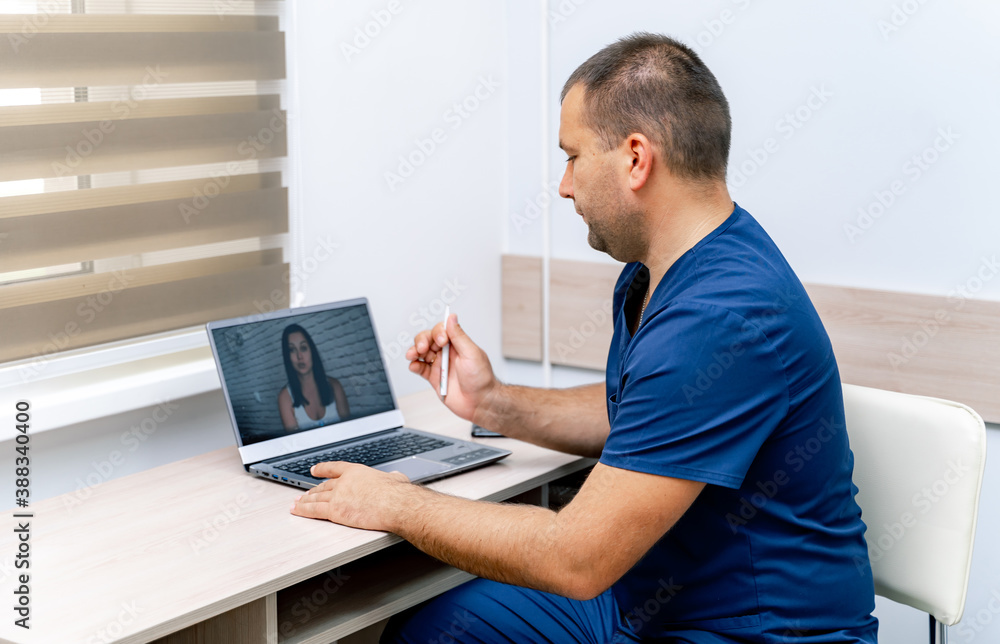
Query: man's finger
{"type": "Point", "coordinates": [426, 354]}
{"type": "Point", "coordinates": [317, 497]}
{"type": "Point", "coordinates": [462, 342]}
{"type": "Point", "coordinates": [422, 341]}
{"type": "Point", "coordinates": [321, 487]}
{"type": "Point", "coordinates": [311, 510]}
{"type": "Point", "coordinates": [439, 335]}
{"type": "Point", "coordinates": [330, 469]}
{"type": "Point", "coordinates": [421, 368]}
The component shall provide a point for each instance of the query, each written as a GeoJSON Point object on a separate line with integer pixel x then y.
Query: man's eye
{"type": "Point", "coordinates": [570, 159]}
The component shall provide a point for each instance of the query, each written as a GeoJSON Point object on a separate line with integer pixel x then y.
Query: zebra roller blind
{"type": "Point", "coordinates": [142, 167]}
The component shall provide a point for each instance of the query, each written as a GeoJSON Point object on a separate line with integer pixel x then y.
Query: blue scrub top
{"type": "Point", "coordinates": [731, 380]}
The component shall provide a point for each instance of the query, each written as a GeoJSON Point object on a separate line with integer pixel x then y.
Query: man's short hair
{"type": "Point", "coordinates": [656, 86]}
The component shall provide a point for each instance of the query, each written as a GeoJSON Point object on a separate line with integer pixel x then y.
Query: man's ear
{"type": "Point", "coordinates": [640, 152]}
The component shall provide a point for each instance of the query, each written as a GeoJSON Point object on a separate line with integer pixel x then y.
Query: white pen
{"type": "Point", "coordinates": [444, 356]}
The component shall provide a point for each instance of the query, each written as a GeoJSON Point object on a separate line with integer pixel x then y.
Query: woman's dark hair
{"type": "Point", "coordinates": [319, 373]}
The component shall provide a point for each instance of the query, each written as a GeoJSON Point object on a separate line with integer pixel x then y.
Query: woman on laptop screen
{"type": "Point", "coordinates": [311, 398]}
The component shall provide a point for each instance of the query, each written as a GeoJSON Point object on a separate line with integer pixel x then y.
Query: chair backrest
{"type": "Point", "coordinates": [918, 465]}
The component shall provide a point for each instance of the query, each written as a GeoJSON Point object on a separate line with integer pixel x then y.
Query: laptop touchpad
{"type": "Point", "coordinates": [414, 468]}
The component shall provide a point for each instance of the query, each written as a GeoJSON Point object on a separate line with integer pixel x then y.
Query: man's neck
{"type": "Point", "coordinates": [680, 227]}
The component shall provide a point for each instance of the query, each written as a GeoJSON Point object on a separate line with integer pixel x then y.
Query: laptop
{"type": "Point", "coordinates": [310, 384]}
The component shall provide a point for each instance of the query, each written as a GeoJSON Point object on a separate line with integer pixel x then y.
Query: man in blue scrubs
{"type": "Point", "coordinates": [722, 509]}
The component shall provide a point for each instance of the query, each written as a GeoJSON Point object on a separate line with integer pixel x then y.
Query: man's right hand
{"type": "Point", "coordinates": [571, 420]}
{"type": "Point", "coordinates": [471, 382]}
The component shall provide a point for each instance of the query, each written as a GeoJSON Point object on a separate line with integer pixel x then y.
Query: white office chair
{"type": "Point", "coordinates": [918, 465]}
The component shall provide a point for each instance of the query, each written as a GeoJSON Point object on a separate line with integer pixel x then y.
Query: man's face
{"type": "Point", "coordinates": [596, 181]}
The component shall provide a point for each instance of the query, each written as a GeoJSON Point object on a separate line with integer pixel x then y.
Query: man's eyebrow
{"type": "Point", "coordinates": [563, 146]}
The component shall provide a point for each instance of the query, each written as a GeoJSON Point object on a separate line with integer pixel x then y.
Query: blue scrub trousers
{"type": "Point", "coordinates": [485, 612]}
{"type": "Point", "coordinates": [488, 612]}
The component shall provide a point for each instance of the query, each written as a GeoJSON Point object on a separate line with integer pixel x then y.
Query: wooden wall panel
{"type": "Point", "coordinates": [580, 325]}
{"type": "Point", "coordinates": [522, 307]}
{"type": "Point", "coordinates": [917, 344]}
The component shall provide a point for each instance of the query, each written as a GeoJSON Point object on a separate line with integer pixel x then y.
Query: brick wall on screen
{"type": "Point", "coordinates": [251, 358]}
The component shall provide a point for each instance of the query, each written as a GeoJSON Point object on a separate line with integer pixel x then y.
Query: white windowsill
{"type": "Point", "coordinates": [97, 382]}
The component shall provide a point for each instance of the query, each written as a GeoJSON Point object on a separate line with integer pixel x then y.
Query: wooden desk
{"type": "Point", "coordinates": [200, 543]}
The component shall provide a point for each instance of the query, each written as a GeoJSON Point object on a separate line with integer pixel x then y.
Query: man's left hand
{"type": "Point", "coordinates": [353, 495]}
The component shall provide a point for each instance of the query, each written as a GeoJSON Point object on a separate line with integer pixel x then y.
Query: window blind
{"type": "Point", "coordinates": [142, 147]}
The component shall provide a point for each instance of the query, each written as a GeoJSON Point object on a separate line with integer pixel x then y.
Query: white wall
{"type": "Point", "coordinates": [439, 230]}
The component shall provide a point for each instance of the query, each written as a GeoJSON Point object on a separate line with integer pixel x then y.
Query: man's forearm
{"type": "Point", "coordinates": [572, 420]}
{"type": "Point", "coordinates": [513, 544]}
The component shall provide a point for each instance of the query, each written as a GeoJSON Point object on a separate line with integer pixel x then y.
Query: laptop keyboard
{"type": "Point", "coordinates": [372, 453]}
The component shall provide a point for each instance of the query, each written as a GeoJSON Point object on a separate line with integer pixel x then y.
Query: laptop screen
{"type": "Point", "coordinates": [301, 369]}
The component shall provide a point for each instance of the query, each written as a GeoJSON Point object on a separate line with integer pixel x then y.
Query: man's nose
{"type": "Point", "coordinates": [566, 185]}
